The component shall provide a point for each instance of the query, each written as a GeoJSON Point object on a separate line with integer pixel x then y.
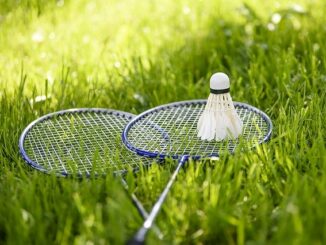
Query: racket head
{"type": "Point", "coordinates": [79, 142]}
{"type": "Point", "coordinates": [171, 131]}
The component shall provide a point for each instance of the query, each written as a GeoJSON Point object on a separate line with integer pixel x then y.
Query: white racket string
{"type": "Point", "coordinates": [79, 142]}
{"type": "Point", "coordinates": [178, 134]}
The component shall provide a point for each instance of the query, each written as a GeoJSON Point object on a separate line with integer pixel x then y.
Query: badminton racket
{"type": "Point", "coordinates": [170, 131]}
{"type": "Point", "coordinates": [81, 142]}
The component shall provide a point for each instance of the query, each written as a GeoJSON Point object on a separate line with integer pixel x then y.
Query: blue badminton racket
{"type": "Point", "coordinates": [81, 142]}
{"type": "Point", "coordinates": [170, 131]}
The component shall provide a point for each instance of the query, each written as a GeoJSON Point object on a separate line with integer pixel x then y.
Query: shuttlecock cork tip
{"type": "Point", "coordinates": [219, 83]}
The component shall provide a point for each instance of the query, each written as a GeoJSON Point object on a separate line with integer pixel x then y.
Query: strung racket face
{"type": "Point", "coordinates": [171, 131]}
{"type": "Point", "coordinates": [78, 142]}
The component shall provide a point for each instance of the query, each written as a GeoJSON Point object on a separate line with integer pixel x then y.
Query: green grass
{"type": "Point", "coordinates": [133, 55]}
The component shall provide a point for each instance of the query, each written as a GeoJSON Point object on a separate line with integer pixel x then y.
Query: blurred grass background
{"type": "Point", "coordinates": [133, 55]}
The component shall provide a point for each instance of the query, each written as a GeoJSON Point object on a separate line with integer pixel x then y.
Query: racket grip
{"type": "Point", "coordinates": [135, 242]}
{"type": "Point", "coordinates": [138, 238]}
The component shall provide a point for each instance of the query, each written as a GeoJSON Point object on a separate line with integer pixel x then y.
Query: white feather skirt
{"type": "Point", "coordinates": [219, 119]}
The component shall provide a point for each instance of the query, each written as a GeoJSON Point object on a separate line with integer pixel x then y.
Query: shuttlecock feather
{"type": "Point", "coordinates": [219, 119]}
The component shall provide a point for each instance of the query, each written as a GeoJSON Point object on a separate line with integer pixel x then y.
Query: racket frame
{"type": "Point", "coordinates": [24, 134]}
{"type": "Point", "coordinates": [176, 105]}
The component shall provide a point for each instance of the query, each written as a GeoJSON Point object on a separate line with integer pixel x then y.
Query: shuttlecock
{"type": "Point", "coordinates": [219, 119]}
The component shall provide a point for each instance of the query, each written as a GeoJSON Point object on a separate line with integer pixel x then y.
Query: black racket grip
{"type": "Point", "coordinates": [134, 241]}
{"type": "Point", "coordinates": [139, 237]}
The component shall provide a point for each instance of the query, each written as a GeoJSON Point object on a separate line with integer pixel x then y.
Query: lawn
{"type": "Point", "coordinates": [134, 55]}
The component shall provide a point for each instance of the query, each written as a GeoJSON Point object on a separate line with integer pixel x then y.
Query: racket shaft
{"type": "Point", "coordinates": [141, 209]}
{"type": "Point", "coordinates": [139, 237]}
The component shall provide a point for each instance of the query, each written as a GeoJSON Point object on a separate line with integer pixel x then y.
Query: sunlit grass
{"type": "Point", "coordinates": [133, 55]}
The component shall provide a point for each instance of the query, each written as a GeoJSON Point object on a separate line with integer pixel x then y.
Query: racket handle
{"type": "Point", "coordinates": [144, 214]}
{"type": "Point", "coordinates": [141, 209]}
{"type": "Point", "coordinates": [139, 237]}
{"type": "Point", "coordinates": [135, 242]}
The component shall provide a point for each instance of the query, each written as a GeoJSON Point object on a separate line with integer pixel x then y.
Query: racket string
{"type": "Point", "coordinates": [80, 142]}
{"type": "Point", "coordinates": [176, 131]}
